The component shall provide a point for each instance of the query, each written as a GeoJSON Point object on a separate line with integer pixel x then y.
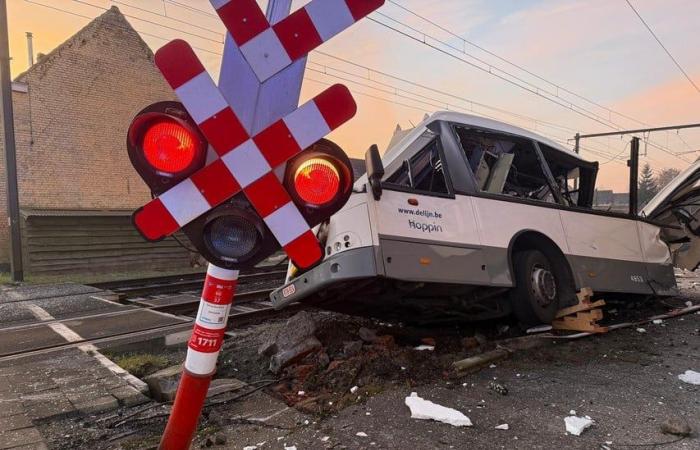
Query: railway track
{"type": "Point", "coordinates": [248, 307]}
{"type": "Point", "coordinates": [177, 296]}
{"type": "Point", "coordinates": [140, 287]}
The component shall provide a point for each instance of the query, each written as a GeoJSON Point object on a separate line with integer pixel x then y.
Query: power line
{"type": "Point", "coordinates": [490, 69]}
{"type": "Point", "coordinates": [439, 105]}
{"type": "Point", "coordinates": [663, 46]}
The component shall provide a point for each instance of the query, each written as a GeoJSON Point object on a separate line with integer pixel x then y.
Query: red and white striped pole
{"type": "Point", "coordinates": [202, 353]}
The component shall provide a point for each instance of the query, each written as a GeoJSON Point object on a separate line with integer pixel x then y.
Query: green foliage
{"type": "Point", "coordinates": [141, 364]}
{"type": "Point", "coordinates": [647, 185]}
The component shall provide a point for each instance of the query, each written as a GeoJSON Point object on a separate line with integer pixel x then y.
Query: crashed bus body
{"type": "Point", "coordinates": [471, 218]}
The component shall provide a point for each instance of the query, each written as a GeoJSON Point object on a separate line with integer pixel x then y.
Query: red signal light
{"type": "Point", "coordinates": [317, 181]}
{"type": "Point", "coordinates": [169, 147]}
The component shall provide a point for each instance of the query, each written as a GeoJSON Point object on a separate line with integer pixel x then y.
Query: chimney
{"type": "Point", "coordinates": [30, 48]}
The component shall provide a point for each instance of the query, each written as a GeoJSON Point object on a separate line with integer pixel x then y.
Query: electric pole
{"type": "Point", "coordinates": [17, 271]}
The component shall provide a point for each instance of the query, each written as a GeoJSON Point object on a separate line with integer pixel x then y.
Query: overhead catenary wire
{"type": "Point", "coordinates": [172, 2]}
{"type": "Point", "coordinates": [661, 44]}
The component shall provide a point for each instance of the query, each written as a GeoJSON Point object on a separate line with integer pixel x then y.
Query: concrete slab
{"type": "Point", "coordinates": [39, 291]}
{"type": "Point", "coordinates": [136, 320]}
{"type": "Point", "coordinates": [16, 438]}
{"type": "Point", "coordinates": [27, 339]}
{"type": "Point", "coordinates": [16, 422]}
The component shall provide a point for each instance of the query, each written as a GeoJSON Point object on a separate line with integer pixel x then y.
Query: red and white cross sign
{"type": "Point", "coordinates": [270, 48]}
{"type": "Point", "coordinates": [247, 163]}
{"type": "Point", "coordinates": [244, 163]}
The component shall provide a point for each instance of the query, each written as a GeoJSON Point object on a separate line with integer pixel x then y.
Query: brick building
{"type": "Point", "coordinates": [77, 187]}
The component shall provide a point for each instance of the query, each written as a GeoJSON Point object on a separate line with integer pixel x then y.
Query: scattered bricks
{"type": "Point", "coordinates": [16, 422]}
{"type": "Point", "coordinates": [97, 405]}
{"type": "Point", "coordinates": [27, 437]}
{"type": "Point", "coordinates": [129, 396]}
{"type": "Point", "coordinates": [163, 384]}
{"type": "Point", "coordinates": [367, 335]}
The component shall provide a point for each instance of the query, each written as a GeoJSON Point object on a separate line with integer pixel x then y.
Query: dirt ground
{"type": "Point", "coordinates": [626, 381]}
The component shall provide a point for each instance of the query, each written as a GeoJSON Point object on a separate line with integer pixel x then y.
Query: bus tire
{"type": "Point", "coordinates": [535, 298]}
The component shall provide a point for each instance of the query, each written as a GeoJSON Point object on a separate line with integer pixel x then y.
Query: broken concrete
{"type": "Point", "coordinates": [163, 384]}
{"type": "Point", "coordinates": [292, 342]}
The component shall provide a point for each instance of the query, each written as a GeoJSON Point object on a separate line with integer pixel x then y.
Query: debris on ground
{"type": "Point", "coordinates": [427, 410]}
{"type": "Point", "coordinates": [423, 347]}
{"type": "Point", "coordinates": [657, 321]}
{"type": "Point", "coordinates": [503, 426]}
{"type": "Point", "coordinates": [163, 384]}
{"type": "Point", "coordinates": [690, 377]}
{"type": "Point", "coordinates": [676, 426]}
{"type": "Point", "coordinates": [498, 388]}
{"type": "Point", "coordinates": [292, 342]}
{"type": "Point", "coordinates": [576, 425]}
{"type": "Point", "coordinates": [641, 330]}
{"type": "Point", "coordinates": [361, 434]}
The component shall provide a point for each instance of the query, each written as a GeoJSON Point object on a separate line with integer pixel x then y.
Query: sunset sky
{"type": "Point", "coordinates": [576, 51]}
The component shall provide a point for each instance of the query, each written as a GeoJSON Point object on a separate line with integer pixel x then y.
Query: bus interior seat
{"type": "Point", "coordinates": [499, 173]}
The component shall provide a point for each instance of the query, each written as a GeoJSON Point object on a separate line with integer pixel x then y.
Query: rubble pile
{"type": "Point", "coordinates": [329, 362]}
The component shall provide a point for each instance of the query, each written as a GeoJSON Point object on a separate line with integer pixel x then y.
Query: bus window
{"type": "Point", "coordinates": [423, 172]}
{"type": "Point", "coordinates": [504, 165]}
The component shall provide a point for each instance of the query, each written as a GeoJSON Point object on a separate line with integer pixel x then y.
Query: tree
{"type": "Point", "coordinates": [665, 176]}
{"type": "Point", "coordinates": [647, 185]}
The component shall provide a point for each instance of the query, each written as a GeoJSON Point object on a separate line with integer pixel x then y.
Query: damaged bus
{"type": "Point", "coordinates": [469, 218]}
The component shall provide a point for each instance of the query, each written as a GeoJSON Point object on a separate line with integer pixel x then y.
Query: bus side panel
{"type": "Point", "coordinates": [429, 238]}
{"type": "Point", "coordinates": [605, 252]}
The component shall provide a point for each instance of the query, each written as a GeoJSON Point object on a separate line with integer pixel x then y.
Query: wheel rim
{"type": "Point", "coordinates": [544, 286]}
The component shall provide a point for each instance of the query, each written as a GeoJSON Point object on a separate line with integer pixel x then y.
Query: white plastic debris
{"type": "Point", "coordinates": [325, 438]}
{"type": "Point", "coordinates": [690, 377]}
{"type": "Point", "coordinates": [689, 303]}
{"type": "Point", "coordinates": [427, 410]}
{"type": "Point", "coordinates": [429, 348]}
{"type": "Point", "coordinates": [576, 425]}
{"type": "Point", "coordinates": [572, 412]}
{"type": "Point", "coordinates": [354, 389]}
{"type": "Point", "coordinates": [301, 393]}
{"type": "Point", "coordinates": [293, 447]}
{"type": "Point", "coordinates": [361, 434]}
{"type": "Point", "coordinates": [657, 322]}
{"type": "Point", "coordinates": [641, 330]}
{"type": "Point", "coordinates": [492, 366]}
{"type": "Point", "coordinates": [503, 426]}
{"type": "Point", "coordinates": [251, 447]}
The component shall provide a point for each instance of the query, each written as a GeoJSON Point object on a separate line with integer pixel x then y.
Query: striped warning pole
{"type": "Point", "coordinates": [202, 353]}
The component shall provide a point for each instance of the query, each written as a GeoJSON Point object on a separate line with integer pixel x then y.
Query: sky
{"type": "Point", "coordinates": [555, 67]}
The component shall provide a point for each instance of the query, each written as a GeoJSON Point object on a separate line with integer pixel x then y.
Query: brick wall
{"type": "Point", "coordinates": [71, 125]}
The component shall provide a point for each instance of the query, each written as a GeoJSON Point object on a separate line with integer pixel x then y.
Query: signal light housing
{"type": "Point", "coordinates": [319, 180]}
{"type": "Point", "coordinates": [165, 146]}
{"type": "Point", "coordinates": [233, 236]}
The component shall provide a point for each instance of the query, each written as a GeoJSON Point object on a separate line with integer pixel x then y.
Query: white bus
{"type": "Point", "coordinates": [473, 218]}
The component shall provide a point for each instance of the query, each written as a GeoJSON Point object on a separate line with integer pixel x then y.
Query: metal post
{"type": "Point", "coordinates": [30, 48]}
{"type": "Point", "coordinates": [633, 164]}
{"type": "Point", "coordinates": [578, 141]}
{"type": "Point", "coordinates": [202, 353]}
{"type": "Point", "coordinates": [17, 271]}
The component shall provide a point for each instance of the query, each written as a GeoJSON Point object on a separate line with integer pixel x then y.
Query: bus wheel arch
{"type": "Point", "coordinates": [542, 278]}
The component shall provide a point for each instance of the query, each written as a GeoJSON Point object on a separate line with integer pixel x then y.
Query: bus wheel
{"type": "Point", "coordinates": [535, 297]}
